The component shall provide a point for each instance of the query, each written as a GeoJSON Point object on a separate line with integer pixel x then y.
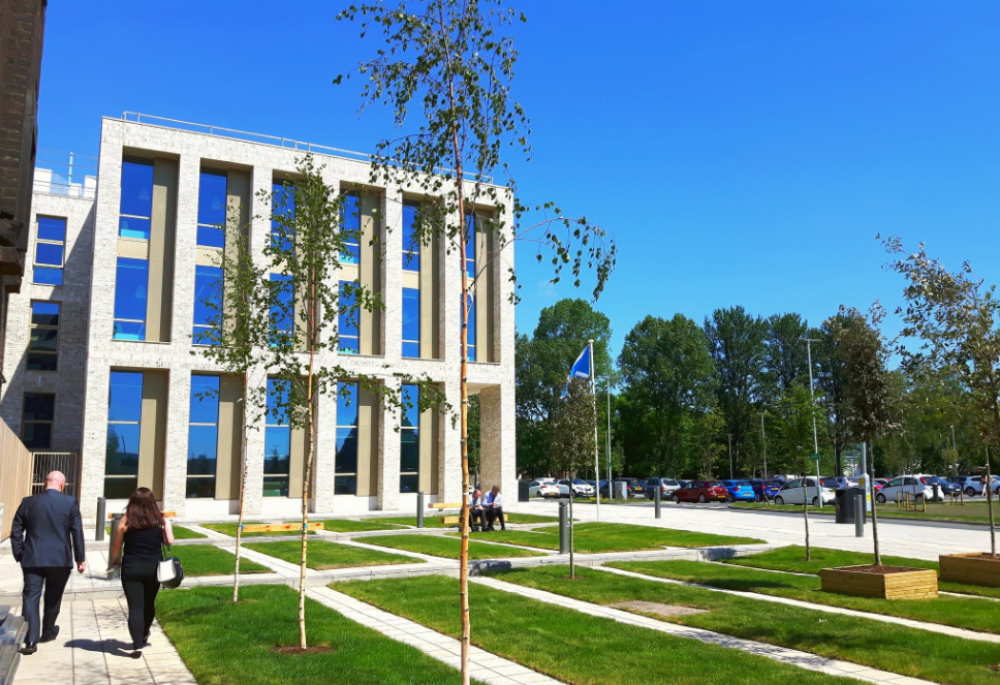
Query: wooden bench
{"type": "Point", "coordinates": [451, 520]}
{"type": "Point", "coordinates": [446, 505]}
{"type": "Point", "coordinates": [280, 527]}
{"type": "Point", "coordinates": [166, 515]}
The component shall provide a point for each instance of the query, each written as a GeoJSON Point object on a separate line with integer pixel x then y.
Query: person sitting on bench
{"type": "Point", "coordinates": [494, 508]}
{"type": "Point", "coordinates": [476, 510]}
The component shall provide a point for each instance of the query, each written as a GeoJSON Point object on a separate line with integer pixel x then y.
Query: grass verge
{"type": "Point", "coordinates": [792, 559]}
{"type": "Point", "coordinates": [614, 537]}
{"type": "Point", "coordinates": [448, 547]}
{"type": "Point", "coordinates": [961, 612]}
{"type": "Point", "coordinates": [907, 651]}
{"type": "Point", "coordinates": [970, 512]}
{"type": "Point", "coordinates": [324, 555]}
{"type": "Point", "coordinates": [433, 520]}
{"type": "Point", "coordinates": [230, 644]}
{"type": "Point", "coordinates": [571, 646]}
{"type": "Point", "coordinates": [206, 560]}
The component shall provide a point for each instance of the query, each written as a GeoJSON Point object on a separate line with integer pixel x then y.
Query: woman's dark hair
{"type": "Point", "coordinates": [142, 512]}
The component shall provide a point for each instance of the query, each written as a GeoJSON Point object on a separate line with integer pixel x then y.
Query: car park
{"type": "Point", "coordinates": [616, 486]}
{"type": "Point", "coordinates": [839, 482]}
{"type": "Point", "coordinates": [578, 487]}
{"type": "Point", "coordinates": [701, 491]}
{"type": "Point", "coordinates": [800, 490]}
{"type": "Point", "coordinates": [945, 488]}
{"type": "Point", "coordinates": [899, 488]}
{"type": "Point", "coordinates": [666, 485]}
{"type": "Point", "coordinates": [764, 489]}
{"type": "Point", "coordinates": [540, 488]}
{"type": "Point", "coordinates": [973, 485]}
{"type": "Point", "coordinates": [739, 491]}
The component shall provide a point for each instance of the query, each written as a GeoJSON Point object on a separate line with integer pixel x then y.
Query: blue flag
{"type": "Point", "coordinates": [580, 369]}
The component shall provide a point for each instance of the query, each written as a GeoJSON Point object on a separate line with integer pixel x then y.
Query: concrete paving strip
{"type": "Point", "coordinates": [909, 623]}
{"type": "Point", "coordinates": [483, 665]}
{"type": "Point", "coordinates": [793, 657]}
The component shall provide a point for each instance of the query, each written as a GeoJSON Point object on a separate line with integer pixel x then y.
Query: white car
{"type": "Point", "coordinates": [903, 485]}
{"type": "Point", "coordinates": [973, 485]}
{"type": "Point", "coordinates": [796, 491]}
{"type": "Point", "coordinates": [580, 488]}
{"type": "Point", "coordinates": [543, 487]}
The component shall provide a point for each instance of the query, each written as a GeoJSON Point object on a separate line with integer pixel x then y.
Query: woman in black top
{"type": "Point", "coordinates": [141, 531]}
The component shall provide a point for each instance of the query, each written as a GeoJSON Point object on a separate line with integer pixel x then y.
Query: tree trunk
{"type": "Point", "coordinates": [243, 490]}
{"type": "Point", "coordinates": [805, 518]}
{"type": "Point", "coordinates": [871, 484]}
{"type": "Point", "coordinates": [307, 480]}
{"type": "Point", "coordinates": [989, 502]}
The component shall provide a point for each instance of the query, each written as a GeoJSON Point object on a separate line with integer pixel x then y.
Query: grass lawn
{"type": "Point", "coordinates": [962, 612]}
{"type": "Point", "coordinates": [206, 560]}
{"type": "Point", "coordinates": [793, 559]}
{"type": "Point", "coordinates": [432, 519]}
{"type": "Point", "coordinates": [907, 651]}
{"type": "Point", "coordinates": [326, 555]}
{"type": "Point", "coordinates": [971, 511]}
{"type": "Point", "coordinates": [574, 647]}
{"type": "Point", "coordinates": [230, 644]}
{"type": "Point", "coordinates": [180, 533]}
{"type": "Point", "coordinates": [346, 526]}
{"type": "Point", "coordinates": [614, 537]}
{"type": "Point", "coordinates": [230, 529]}
{"type": "Point", "coordinates": [448, 547]}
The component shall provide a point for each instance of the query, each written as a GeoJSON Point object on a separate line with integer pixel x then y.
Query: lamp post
{"type": "Point", "coordinates": [812, 401]}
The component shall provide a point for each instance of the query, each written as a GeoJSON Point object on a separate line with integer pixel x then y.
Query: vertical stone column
{"type": "Point", "coordinates": [392, 278]}
{"type": "Point", "coordinates": [450, 452]}
{"type": "Point", "coordinates": [326, 454]}
{"type": "Point", "coordinates": [175, 457]}
{"type": "Point", "coordinates": [498, 450]}
{"type": "Point", "coordinates": [389, 453]}
{"type": "Point", "coordinates": [95, 436]}
{"type": "Point", "coordinates": [185, 245]}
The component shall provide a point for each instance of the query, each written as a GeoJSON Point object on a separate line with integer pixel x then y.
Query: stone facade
{"type": "Point", "coordinates": [98, 234]}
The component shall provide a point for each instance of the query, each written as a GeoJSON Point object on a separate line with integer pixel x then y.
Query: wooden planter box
{"type": "Point", "coordinates": [915, 583]}
{"type": "Point", "coordinates": [974, 569]}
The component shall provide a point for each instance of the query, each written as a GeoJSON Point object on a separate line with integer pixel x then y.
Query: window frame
{"type": "Point", "coordinates": [121, 422]}
{"type": "Point", "coordinates": [356, 426]}
{"type": "Point", "coordinates": [35, 264]}
{"type": "Point", "coordinates": [201, 424]}
{"type": "Point", "coordinates": [115, 319]}
{"type": "Point", "coordinates": [345, 319]}
{"type": "Point", "coordinates": [411, 393]}
{"type": "Point", "coordinates": [351, 248]}
{"type": "Point", "coordinates": [411, 248]}
{"type": "Point", "coordinates": [32, 326]}
{"type": "Point", "coordinates": [223, 173]}
{"type": "Point", "coordinates": [26, 422]}
{"type": "Point", "coordinates": [403, 338]}
{"type": "Point", "coordinates": [273, 421]}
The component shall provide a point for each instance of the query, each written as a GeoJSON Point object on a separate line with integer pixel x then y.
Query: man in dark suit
{"type": "Point", "coordinates": [46, 536]}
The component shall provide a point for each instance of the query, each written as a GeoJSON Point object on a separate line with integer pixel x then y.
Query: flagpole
{"type": "Point", "coordinates": [597, 458]}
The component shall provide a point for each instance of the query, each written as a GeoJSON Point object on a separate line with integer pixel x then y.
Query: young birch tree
{"type": "Point", "coordinates": [446, 64]}
{"type": "Point", "coordinates": [956, 317]}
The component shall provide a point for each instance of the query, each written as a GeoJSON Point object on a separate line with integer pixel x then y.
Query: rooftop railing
{"type": "Point", "coordinates": [65, 173]}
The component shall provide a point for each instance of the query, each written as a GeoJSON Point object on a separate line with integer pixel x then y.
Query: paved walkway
{"type": "Point", "coordinates": [483, 665]}
{"type": "Point", "coordinates": [793, 657]}
{"type": "Point", "coordinates": [909, 623]}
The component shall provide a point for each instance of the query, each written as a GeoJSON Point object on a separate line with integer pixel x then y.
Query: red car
{"type": "Point", "coordinates": [701, 491]}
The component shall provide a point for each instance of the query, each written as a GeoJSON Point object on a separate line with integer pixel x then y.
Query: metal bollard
{"type": "Point", "coordinates": [115, 518]}
{"type": "Point", "coordinates": [937, 492]}
{"type": "Point", "coordinates": [563, 528]}
{"type": "Point", "coordinates": [101, 515]}
{"type": "Point", "coordinates": [859, 516]}
{"type": "Point", "coordinates": [657, 498]}
{"type": "Point", "coordinates": [420, 509]}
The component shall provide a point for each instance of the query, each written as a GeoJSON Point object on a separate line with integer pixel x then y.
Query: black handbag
{"type": "Point", "coordinates": [169, 571]}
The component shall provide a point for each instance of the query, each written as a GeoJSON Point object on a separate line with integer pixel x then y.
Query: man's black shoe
{"type": "Point", "coordinates": [49, 637]}
{"type": "Point", "coordinates": [28, 650]}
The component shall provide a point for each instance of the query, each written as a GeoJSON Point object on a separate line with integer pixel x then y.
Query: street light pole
{"type": "Point", "coordinates": [731, 457]}
{"type": "Point", "coordinates": [763, 440]}
{"type": "Point", "coordinates": [607, 450]}
{"type": "Point", "coordinates": [812, 401]}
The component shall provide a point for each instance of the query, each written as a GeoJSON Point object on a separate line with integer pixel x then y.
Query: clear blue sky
{"type": "Point", "coordinates": [741, 153]}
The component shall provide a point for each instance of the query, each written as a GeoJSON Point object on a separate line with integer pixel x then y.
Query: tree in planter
{"type": "Point", "coordinates": [869, 389]}
{"type": "Point", "coordinates": [956, 317]}
{"type": "Point", "coordinates": [447, 64]}
{"type": "Point", "coordinates": [571, 442]}
{"type": "Point", "coordinates": [280, 313]}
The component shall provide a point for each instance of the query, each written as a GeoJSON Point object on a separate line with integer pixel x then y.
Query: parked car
{"type": "Point", "coordinates": [543, 488]}
{"type": "Point", "coordinates": [973, 485]}
{"type": "Point", "coordinates": [739, 491]}
{"type": "Point", "coordinates": [800, 490]}
{"type": "Point", "coordinates": [666, 485]}
{"type": "Point", "coordinates": [839, 482]}
{"type": "Point", "coordinates": [879, 483]}
{"type": "Point", "coordinates": [685, 483]}
{"type": "Point", "coordinates": [902, 486]}
{"type": "Point", "coordinates": [945, 488]}
{"type": "Point", "coordinates": [580, 488]}
{"type": "Point", "coordinates": [616, 485]}
{"type": "Point", "coordinates": [701, 491]}
{"type": "Point", "coordinates": [764, 489]}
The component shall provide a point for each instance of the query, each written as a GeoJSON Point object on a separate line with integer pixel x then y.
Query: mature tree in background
{"type": "Point", "coordinates": [736, 343]}
{"type": "Point", "coordinates": [785, 360]}
{"type": "Point", "coordinates": [831, 380]}
{"type": "Point", "coordinates": [955, 316]}
{"type": "Point", "coordinates": [571, 441]}
{"type": "Point", "coordinates": [446, 64]}
{"type": "Point", "coordinates": [870, 392]}
{"type": "Point", "coordinates": [669, 377]}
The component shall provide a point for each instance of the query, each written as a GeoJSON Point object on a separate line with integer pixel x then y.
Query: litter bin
{"type": "Point", "coordinates": [522, 491]}
{"type": "Point", "coordinates": [844, 499]}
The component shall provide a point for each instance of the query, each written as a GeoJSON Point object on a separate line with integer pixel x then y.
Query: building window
{"type": "Point", "coordinates": [212, 208]}
{"type": "Point", "coordinates": [409, 440]}
{"type": "Point", "coordinates": [471, 337]}
{"type": "Point", "coordinates": [38, 413]}
{"type": "Point", "coordinates": [347, 320]}
{"type": "Point", "coordinates": [411, 322]}
{"type": "Point", "coordinates": [283, 201]}
{"type": "Point", "coordinates": [136, 208]}
{"type": "Point", "coordinates": [203, 436]}
{"type": "Point", "coordinates": [282, 309]}
{"type": "Point", "coordinates": [43, 345]}
{"type": "Point", "coordinates": [131, 293]}
{"type": "Point", "coordinates": [470, 246]}
{"type": "Point", "coordinates": [351, 254]}
{"type": "Point", "coordinates": [346, 479]}
{"type": "Point", "coordinates": [207, 304]}
{"type": "Point", "coordinates": [50, 251]}
{"type": "Point", "coordinates": [121, 462]}
{"type": "Point", "coordinates": [277, 440]}
{"type": "Point", "coordinates": [411, 246]}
